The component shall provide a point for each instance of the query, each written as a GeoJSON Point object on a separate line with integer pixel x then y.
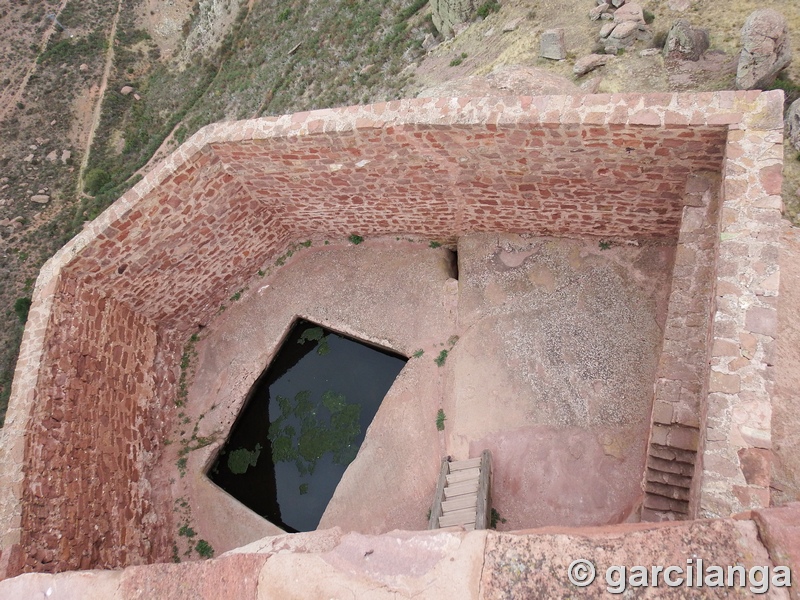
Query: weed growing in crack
{"type": "Point", "coordinates": [495, 519]}
{"type": "Point", "coordinates": [440, 419]}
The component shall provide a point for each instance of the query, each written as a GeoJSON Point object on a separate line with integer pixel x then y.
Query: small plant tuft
{"type": "Point", "coordinates": [204, 549]}
{"type": "Point", "coordinates": [439, 360]}
{"type": "Point", "coordinates": [649, 17]}
{"type": "Point", "coordinates": [605, 244]}
{"type": "Point", "coordinates": [355, 239]}
{"type": "Point", "coordinates": [440, 419]}
{"type": "Point", "coordinates": [435, 244]}
{"type": "Point", "coordinates": [418, 353]}
{"type": "Point", "coordinates": [495, 519]}
{"type": "Point", "coordinates": [458, 60]}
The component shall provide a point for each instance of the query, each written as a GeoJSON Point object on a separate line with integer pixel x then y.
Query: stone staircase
{"type": "Point", "coordinates": [463, 495]}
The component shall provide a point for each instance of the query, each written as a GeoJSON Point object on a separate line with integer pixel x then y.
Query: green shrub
{"type": "Point", "coordinates": [204, 549]}
{"type": "Point", "coordinates": [488, 7]}
{"type": "Point", "coordinates": [439, 360]}
{"type": "Point", "coordinates": [95, 180]}
{"type": "Point", "coordinates": [649, 17]}
{"type": "Point", "coordinates": [355, 239]}
{"type": "Point", "coordinates": [21, 307]}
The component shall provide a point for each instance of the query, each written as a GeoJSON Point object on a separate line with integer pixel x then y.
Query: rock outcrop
{"type": "Point", "coordinates": [627, 24]}
{"type": "Point", "coordinates": [684, 42]}
{"type": "Point", "coordinates": [793, 124]}
{"type": "Point", "coordinates": [448, 13]}
{"type": "Point", "coordinates": [590, 63]}
{"type": "Point", "coordinates": [766, 49]}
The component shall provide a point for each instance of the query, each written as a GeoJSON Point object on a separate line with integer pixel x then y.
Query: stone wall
{"type": "Point", "coordinates": [92, 438]}
{"type": "Point", "coordinates": [676, 443]}
{"type": "Point", "coordinates": [165, 256]}
{"type": "Point", "coordinates": [738, 447]}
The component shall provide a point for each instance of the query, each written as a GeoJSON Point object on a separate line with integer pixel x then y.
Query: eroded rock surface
{"type": "Point", "coordinates": [793, 124]}
{"type": "Point", "coordinates": [766, 49]}
{"type": "Point", "coordinates": [449, 13]}
{"type": "Point", "coordinates": [684, 42]}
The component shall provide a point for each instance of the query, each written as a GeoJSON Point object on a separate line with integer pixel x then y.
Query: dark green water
{"type": "Point", "coordinates": [303, 423]}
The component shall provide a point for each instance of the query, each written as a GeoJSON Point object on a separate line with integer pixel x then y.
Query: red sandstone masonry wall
{"type": "Point", "coordinates": [676, 443]}
{"type": "Point", "coordinates": [200, 220]}
{"type": "Point", "coordinates": [92, 437]}
{"type": "Point", "coordinates": [613, 180]}
{"type": "Point", "coordinates": [234, 204]}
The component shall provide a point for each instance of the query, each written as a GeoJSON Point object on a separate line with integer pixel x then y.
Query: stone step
{"type": "Point", "coordinates": [658, 516]}
{"type": "Point", "coordinates": [668, 491]}
{"type": "Point", "coordinates": [669, 453]}
{"type": "Point", "coordinates": [670, 466]}
{"type": "Point", "coordinates": [660, 503]}
{"type": "Point", "coordinates": [669, 478]}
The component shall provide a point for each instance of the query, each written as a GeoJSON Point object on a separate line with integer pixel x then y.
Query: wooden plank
{"type": "Point", "coordinates": [465, 475]}
{"type": "Point", "coordinates": [459, 502]}
{"type": "Point", "coordinates": [460, 465]}
{"type": "Point", "coordinates": [468, 487]}
{"type": "Point", "coordinates": [459, 517]}
{"type": "Point", "coordinates": [483, 513]}
{"type": "Point", "coordinates": [436, 508]}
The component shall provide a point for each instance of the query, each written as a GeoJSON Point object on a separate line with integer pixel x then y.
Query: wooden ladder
{"type": "Point", "coordinates": [463, 494]}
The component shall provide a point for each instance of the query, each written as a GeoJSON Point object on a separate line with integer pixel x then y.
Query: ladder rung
{"type": "Point", "coordinates": [460, 465]}
{"type": "Point", "coordinates": [465, 475]}
{"type": "Point", "coordinates": [459, 502]}
{"type": "Point", "coordinates": [459, 517]}
{"type": "Point", "coordinates": [468, 487]}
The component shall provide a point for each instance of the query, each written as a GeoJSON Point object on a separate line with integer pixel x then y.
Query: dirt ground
{"type": "Point", "coordinates": [548, 340]}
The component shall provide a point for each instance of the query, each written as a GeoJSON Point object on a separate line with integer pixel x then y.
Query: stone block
{"type": "Point", "coordinates": [725, 348]}
{"type": "Point", "coordinates": [756, 464]}
{"type": "Point", "coordinates": [751, 497]}
{"type": "Point", "coordinates": [724, 383]}
{"type": "Point", "coordinates": [685, 438]}
{"type": "Point", "coordinates": [779, 530]}
{"type": "Point", "coordinates": [553, 45]}
{"type": "Point", "coordinates": [662, 413]}
{"type": "Point", "coordinates": [762, 320]}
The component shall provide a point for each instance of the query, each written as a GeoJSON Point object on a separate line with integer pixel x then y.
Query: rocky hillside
{"type": "Point", "coordinates": [93, 92]}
